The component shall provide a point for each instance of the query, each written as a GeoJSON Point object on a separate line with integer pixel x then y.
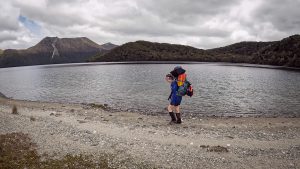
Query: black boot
{"type": "Point", "coordinates": [178, 115]}
{"type": "Point", "coordinates": [172, 114]}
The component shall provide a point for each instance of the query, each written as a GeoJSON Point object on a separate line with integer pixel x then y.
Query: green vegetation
{"type": "Point", "coordinates": [148, 51]}
{"type": "Point", "coordinates": [71, 50]}
{"type": "Point", "coordinates": [18, 152]}
{"type": "Point", "coordinates": [281, 53]}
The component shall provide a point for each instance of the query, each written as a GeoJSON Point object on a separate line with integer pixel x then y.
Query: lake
{"type": "Point", "coordinates": [219, 89]}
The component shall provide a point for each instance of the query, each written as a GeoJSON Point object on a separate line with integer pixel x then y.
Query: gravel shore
{"type": "Point", "coordinates": [141, 141]}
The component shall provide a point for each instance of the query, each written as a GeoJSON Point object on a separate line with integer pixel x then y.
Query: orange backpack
{"type": "Point", "coordinates": [181, 79]}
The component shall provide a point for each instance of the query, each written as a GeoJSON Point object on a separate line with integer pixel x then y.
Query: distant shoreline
{"type": "Point", "coordinates": [162, 62]}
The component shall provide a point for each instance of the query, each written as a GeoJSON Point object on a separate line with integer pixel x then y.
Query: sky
{"type": "Point", "coordinates": [202, 24]}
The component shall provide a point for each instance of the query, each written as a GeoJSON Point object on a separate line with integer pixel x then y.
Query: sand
{"type": "Point", "coordinates": [145, 141]}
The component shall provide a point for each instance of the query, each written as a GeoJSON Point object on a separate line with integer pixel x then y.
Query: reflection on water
{"type": "Point", "coordinates": [221, 90]}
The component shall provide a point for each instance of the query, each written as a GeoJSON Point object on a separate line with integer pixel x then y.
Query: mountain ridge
{"type": "Point", "coordinates": [52, 50]}
{"type": "Point", "coordinates": [288, 53]}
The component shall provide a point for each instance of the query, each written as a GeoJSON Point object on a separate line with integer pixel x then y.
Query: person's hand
{"type": "Point", "coordinates": [170, 96]}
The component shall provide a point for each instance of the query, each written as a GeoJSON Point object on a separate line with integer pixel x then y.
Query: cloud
{"type": "Point", "coordinates": [199, 23]}
{"type": "Point", "coordinates": [8, 17]}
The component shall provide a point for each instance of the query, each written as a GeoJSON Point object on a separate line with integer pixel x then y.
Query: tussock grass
{"type": "Point", "coordinates": [14, 110]}
{"type": "Point", "coordinates": [18, 152]}
{"type": "Point", "coordinates": [99, 106]}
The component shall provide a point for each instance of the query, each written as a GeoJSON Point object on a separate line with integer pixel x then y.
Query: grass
{"type": "Point", "coordinates": [18, 152]}
{"type": "Point", "coordinates": [14, 110]}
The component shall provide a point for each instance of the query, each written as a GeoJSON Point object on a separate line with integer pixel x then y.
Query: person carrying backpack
{"type": "Point", "coordinates": [175, 100]}
{"type": "Point", "coordinates": [179, 87]}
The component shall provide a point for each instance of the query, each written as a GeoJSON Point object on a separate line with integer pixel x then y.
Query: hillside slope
{"type": "Point", "coordinates": [152, 51]}
{"type": "Point", "coordinates": [52, 50]}
{"type": "Point", "coordinates": [285, 52]}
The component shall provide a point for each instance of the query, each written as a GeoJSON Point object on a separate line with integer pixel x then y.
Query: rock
{"type": "Point", "coordinates": [32, 119]}
{"type": "Point", "coordinates": [95, 144]}
{"type": "Point", "coordinates": [217, 149]}
{"type": "Point", "coordinates": [88, 132]}
{"type": "Point", "coordinates": [82, 121]}
{"type": "Point", "coordinates": [57, 114]}
{"type": "Point", "coordinates": [204, 146]}
{"type": "Point", "coordinates": [230, 137]}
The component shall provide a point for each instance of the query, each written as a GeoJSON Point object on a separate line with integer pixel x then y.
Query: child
{"type": "Point", "coordinates": [175, 100]}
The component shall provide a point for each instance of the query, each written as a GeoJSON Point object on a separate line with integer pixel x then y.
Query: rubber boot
{"type": "Point", "coordinates": [178, 115]}
{"type": "Point", "coordinates": [173, 118]}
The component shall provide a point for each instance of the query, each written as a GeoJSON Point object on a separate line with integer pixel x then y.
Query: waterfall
{"type": "Point", "coordinates": [55, 51]}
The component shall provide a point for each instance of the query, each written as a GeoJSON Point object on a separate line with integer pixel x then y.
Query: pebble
{"type": "Point", "coordinates": [95, 144]}
{"type": "Point", "coordinates": [88, 132]}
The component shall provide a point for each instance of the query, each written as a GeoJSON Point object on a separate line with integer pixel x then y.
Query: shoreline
{"type": "Point", "coordinates": [107, 108]}
{"type": "Point", "coordinates": [62, 128]}
{"type": "Point", "coordinates": [166, 62]}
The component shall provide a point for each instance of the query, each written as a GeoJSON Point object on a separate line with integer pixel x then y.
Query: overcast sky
{"type": "Point", "coordinates": [199, 23]}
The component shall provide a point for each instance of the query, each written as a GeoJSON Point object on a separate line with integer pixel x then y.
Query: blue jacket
{"type": "Point", "coordinates": [175, 99]}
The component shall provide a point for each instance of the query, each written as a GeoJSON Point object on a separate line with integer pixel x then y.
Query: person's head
{"type": "Point", "coordinates": [178, 70]}
{"type": "Point", "coordinates": [169, 78]}
{"type": "Point", "coordinates": [177, 67]}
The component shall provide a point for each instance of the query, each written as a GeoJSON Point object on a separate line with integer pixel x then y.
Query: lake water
{"type": "Point", "coordinates": [219, 89]}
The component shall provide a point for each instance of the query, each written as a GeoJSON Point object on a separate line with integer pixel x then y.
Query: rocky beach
{"type": "Point", "coordinates": [96, 137]}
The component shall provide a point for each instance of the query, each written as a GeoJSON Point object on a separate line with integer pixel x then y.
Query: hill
{"type": "Point", "coordinates": [242, 48]}
{"type": "Point", "coordinates": [52, 50]}
{"type": "Point", "coordinates": [108, 46]}
{"type": "Point", "coordinates": [285, 52]}
{"type": "Point", "coordinates": [153, 51]}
